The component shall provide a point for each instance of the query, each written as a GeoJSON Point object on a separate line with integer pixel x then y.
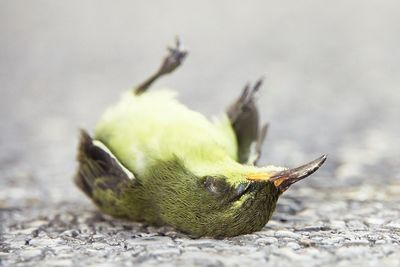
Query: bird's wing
{"type": "Point", "coordinates": [244, 117]}
{"type": "Point", "coordinates": [100, 171]}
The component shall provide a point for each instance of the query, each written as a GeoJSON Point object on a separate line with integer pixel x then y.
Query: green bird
{"type": "Point", "coordinates": [154, 160]}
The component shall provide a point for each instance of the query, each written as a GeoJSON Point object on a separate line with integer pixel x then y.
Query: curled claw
{"type": "Point", "coordinates": [284, 179]}
{"type": "Point", "coordinates": [174, 59]}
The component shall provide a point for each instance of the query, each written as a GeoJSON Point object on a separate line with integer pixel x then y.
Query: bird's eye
{"type": "Point", "coordinates": [240, 190]}
{"type": "Point", "coordinates": [216, 185]}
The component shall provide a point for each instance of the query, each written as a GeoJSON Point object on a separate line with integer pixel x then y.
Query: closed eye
{"type": "Point", "coordinates": [240, 190]}
{"type": "Point", "coordinates": [219, 187]}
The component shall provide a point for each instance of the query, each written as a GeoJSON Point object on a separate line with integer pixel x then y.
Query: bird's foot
{"type": "Point", "coordinates": [173, 60]}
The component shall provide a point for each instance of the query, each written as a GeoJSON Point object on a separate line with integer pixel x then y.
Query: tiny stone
{"type": "Point", "coordinates": [274, 224]}
{"type": "Point", "coordinates": [351, 252]}
{"type": "Point", "coordinates": [30, 253]}
{"type": "Point", "coordinates": [356, 226]}
{"type": "Point", "coordinates": [293, 245]}
{"type": "Point", "coordinates": [331, 240]}
{"type": "Point", "coordinates": [374, 221]}
{"type": "Point", "coordinates": [62, 249]}
{"type": "Point", "coordinates": [200, 243]}
{"type": "Point", "coordinates": [166, 252]}
{"type": "Point", "coordinates": [313, 228]}
{"type": "Point", "coordinates": [311, 251]}
{"type": "Point", "coordinates": [98, 236]}
{"type": "Point", "coordinates": [58, 262]}
{"type": "Point", "coordinates": [287, 239]}
{"type": "Point", "coordinates": [289, 253]}
{"type": "Point", "coordinates": [26, 231]}
{"type": "Point", "coordinates": [267, 233]}
{"type": "Point", "coordinates": [70, 233]}
{"type": "Point", "coordinates": [337, 224]}
{"type": "Point", "coordinates": [266, 241]}
{"type": "Point", "coordinates": [209, 250]}
{"type": "Point", "coordinates": [306, 242]}
{"type": "Point", "coordinates": [45, 242]}
{"type": "Point", "coordinates": [283, 233]}
{"type": "Point", "coordinates": [98, 246]}
{"type": "Point", "coordinates": [361, 242]}
{"type": "Point", "coordinates": [139, 241]}
{"type": "Point", "coordinates": [393, 226]}
{"type": "Point", "coordinates": [37, 223]}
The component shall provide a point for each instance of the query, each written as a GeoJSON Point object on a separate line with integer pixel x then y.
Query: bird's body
{"type": "Point", "coordinates": [153, 159]}
{"type": "Point", "coordinates": [160, 128]}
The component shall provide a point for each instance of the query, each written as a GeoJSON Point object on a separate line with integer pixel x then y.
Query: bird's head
{"type": "Point", "coordinates": [229, 200]}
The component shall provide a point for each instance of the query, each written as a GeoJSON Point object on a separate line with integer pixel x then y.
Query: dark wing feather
{"type": "Point", "coordinates": [98, 168]}
{"type": "Point", "coordinates": [244, 117]}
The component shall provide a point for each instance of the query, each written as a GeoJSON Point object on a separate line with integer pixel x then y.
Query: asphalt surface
{"type": "Point", "coordinates": [332, 78]}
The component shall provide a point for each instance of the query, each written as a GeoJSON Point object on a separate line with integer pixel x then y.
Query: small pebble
{"type": "Point", "coordinates": [266, 241]}
{"type": "Point", "coordinates": [30, 253]}
{"type": "Point", "coordinates": [393, 226]}
{"type": "Point", "coordinates": [282, 233]}
{"type": "Point", "coordinates": [293, 245]}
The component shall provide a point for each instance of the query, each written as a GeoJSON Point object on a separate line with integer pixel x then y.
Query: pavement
{"type": "Point", "coordinates": [332, 77]}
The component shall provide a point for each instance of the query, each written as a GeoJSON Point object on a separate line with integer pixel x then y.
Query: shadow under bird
{"type": "Point", "coordinates": [154, 160]}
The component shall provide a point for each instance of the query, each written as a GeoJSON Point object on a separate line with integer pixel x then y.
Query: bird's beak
{"type": "Point", "coordinates": [284, 179]}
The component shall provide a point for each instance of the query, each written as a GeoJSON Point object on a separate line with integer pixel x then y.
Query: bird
{"type": "Point", "coordinates": [153, 160]}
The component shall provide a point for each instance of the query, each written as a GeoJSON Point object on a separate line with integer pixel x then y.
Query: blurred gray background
{"type": "Point", "coordinates": [332, 77]}
{"type": "Point", "coordinates": [332, 72]}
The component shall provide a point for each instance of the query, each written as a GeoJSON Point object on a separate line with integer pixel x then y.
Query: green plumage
{"type": "Point", "coordinates": [154, 160]}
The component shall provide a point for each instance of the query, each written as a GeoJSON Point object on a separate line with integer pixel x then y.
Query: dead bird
{"type": "Point", "coordinates": [154, 160]}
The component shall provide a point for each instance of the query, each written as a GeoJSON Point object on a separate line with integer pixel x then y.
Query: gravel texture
{"type": "Point", "coordinates": [332, 87]}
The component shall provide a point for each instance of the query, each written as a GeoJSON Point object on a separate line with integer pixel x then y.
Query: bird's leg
{"type": "Point", "coordinates": [173, 60]}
